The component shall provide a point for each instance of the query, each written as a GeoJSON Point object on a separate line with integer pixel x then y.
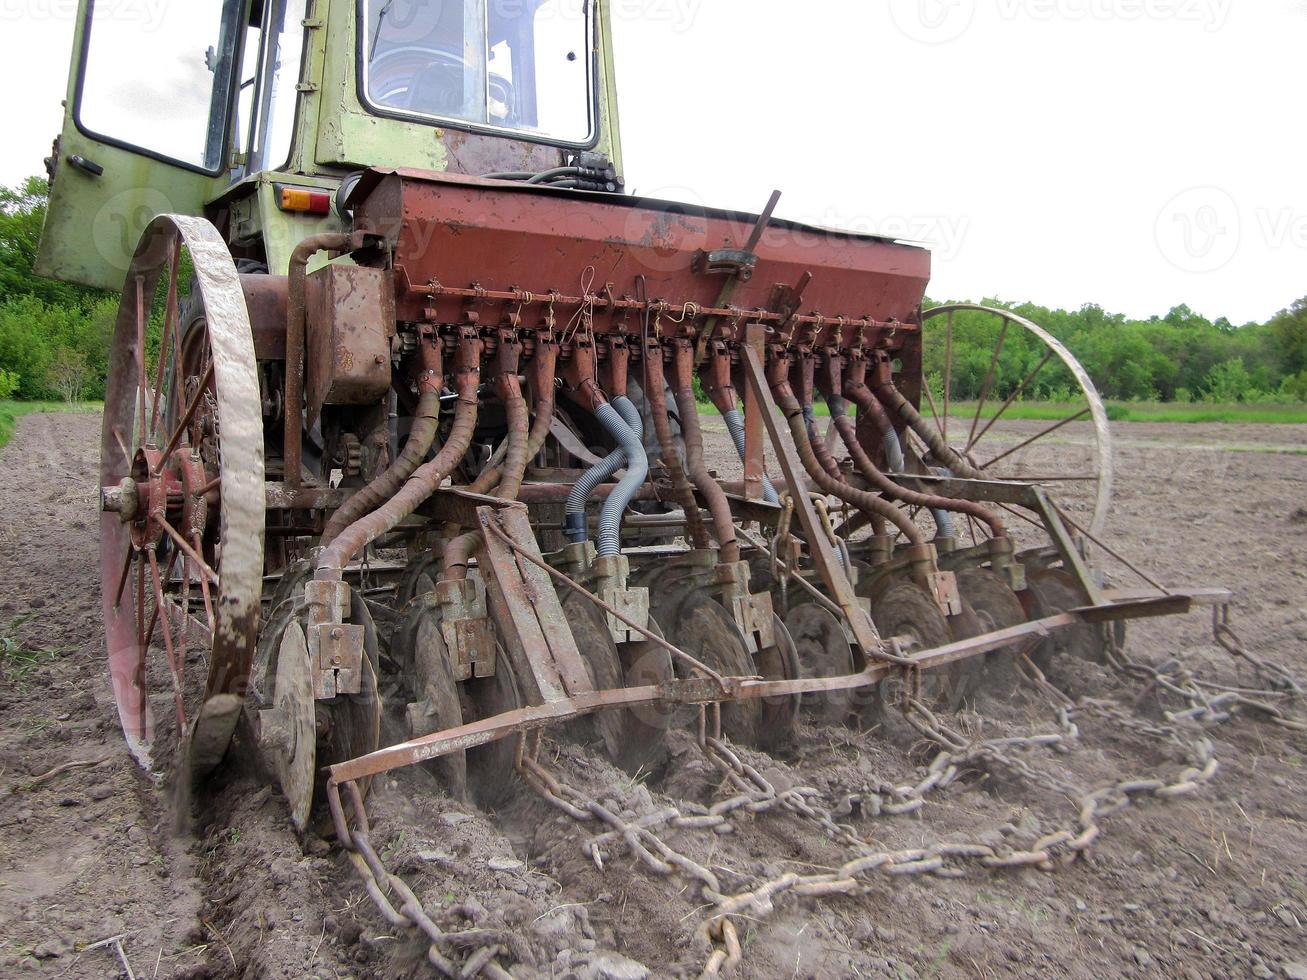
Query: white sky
{"type": "Point", "coordinates": [1133, 153]}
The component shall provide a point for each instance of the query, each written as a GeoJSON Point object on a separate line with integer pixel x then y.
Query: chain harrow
{"type": "Point", "coordinates": [753, 794]}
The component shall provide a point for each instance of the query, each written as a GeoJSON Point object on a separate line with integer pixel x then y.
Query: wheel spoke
{"type": "Point", "coordinates": [948, 371]}
{"type": "Point", "coordinates": [167, 644]}
{"type": "Point", "coordinates": [189, 552]}
{"type": "Point", "coordinates": [1037, 436]}
{"type": "Point", "coordinates": [1011, 398]}
{"type": "Point", "coordinates": [189, 413]}
{"type": "Point", "coordinates": [169, 329]}
{"type": "Point", "coordinates": [1016, 513]}
{"type": "Point", "coordinates": [204, 589]}
{"type": "Point", "coordinates": [1093, 478]}
{"type": "Point", "coordinates": [930, 400]}
{"type": "Point", "coordinates": [989, 380]}
{"type": "Point", "coordinates": [122, 579]}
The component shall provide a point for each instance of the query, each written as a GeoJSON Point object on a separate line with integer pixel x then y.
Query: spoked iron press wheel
{"type": "Point", "coordinates": [181, 533]}
{"type": "Point", "coordinates": [1025, 361]}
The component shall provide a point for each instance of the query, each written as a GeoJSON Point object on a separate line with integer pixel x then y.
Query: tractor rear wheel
{"type": "Point", "coordinates": [182, 501]}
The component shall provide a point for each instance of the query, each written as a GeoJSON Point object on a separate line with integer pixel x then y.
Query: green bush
{"type": "Point", "coordinates": [8, 384]}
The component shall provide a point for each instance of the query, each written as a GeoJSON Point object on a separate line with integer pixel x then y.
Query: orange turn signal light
{"type": "Point", "coordinates": [303, 200]}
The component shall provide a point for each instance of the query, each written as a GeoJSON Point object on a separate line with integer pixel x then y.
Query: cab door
{"type": "Point", "coordinates": [146, 130]}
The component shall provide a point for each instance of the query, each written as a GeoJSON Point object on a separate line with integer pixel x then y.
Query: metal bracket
{"type": "Point", "coordinates": [726, 262]}
{"type": "Point", "coordinates": [335, 647]}
{"type": "Point", "coordinates": [611, 574]}
{"type": "Point", "coordinates": [465, 628]}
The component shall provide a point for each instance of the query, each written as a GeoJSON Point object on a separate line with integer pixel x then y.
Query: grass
{"type": "Point", "coordinates": [1295, 414]}
{"type": "Point", "coordinates": [11, 411]}
{"type": "Point", "coordinates": [1148, 412]}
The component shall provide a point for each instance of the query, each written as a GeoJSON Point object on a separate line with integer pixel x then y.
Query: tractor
{"type": "Point", "coordinates": [404, 428]}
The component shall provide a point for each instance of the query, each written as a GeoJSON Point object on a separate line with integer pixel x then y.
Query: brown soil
{"type": "Point", "coordinates": [1213, 884]}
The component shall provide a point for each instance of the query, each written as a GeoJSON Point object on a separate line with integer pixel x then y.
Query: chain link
{"type": "Point", "coordinates": [752, 793]}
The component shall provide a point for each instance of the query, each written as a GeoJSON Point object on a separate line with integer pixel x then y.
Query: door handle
{"type": "Point", "coordinates": [86, 166]}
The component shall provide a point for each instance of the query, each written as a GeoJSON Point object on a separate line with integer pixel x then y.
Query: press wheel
{"type": "Point", "coordinates": [182, 500]}
{"type": "Point", "coordinates": [906, 609]}
{"type": "Point", "coordinates": [823, 651]}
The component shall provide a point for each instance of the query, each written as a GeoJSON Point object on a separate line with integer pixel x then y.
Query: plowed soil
{"type": "Point", "coordinates": [1212, 884]}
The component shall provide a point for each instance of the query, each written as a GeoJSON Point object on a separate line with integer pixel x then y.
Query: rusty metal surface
{"type": "Point", "coordinates": [699, 692]}
{"type": "Point", "coordinates": [828, 564]}
{"type": "Point", "coordinates": [350, 318]}
{"type": "Point", "coordinates": [235, 606]}
{"type": "Point", "coordinates": [462, 231]}
{"type": "Point", "coordinates": [527, 612]}
{"type": "Point", "coordinates": [265, 301]}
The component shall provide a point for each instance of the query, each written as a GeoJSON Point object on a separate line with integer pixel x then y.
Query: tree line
{"type": "Point", "coordinates": [54, 340]}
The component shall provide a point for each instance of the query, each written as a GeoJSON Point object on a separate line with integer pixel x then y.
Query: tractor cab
{"type": "Point", "coordinates": [253, 113]}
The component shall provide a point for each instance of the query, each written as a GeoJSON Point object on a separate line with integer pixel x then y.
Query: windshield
{"type": "Point", "coordinates": [518, 65]}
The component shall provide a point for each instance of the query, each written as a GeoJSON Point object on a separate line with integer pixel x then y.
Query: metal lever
{"type": "Point", "coordinates": [86, 166]}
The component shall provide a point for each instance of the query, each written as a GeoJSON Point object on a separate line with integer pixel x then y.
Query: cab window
{"type": "Point", "coordinates": [518, 65]}
{"type": "Point", "coordinates": [161, 83]}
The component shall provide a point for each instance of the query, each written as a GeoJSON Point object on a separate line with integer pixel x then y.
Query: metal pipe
{"type": "Point", "coordinates": [655, 389]}
{"type": "Point", "coordinates": [421, 437]}
{"type": "Point", "coordinates": [424, 480]}
{"type": "Point", "coordinates": [893, 399]}
{"type": "Point", "coordinates": [292, 448]}
{"type": "Point", "coordinates": [713, 494]}
{"type": "Point", "coordinates": [868, 503]}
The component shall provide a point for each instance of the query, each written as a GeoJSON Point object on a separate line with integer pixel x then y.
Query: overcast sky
{"type": "Point", "coordinates": [1133, 153]}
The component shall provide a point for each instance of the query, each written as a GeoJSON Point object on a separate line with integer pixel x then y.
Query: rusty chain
{"type": "Point", "coordinates": [755, 794]}
{"type": "Point", "coordinates": [1206, 703]}
{"type": "Point", "coordinates": [411, 914]}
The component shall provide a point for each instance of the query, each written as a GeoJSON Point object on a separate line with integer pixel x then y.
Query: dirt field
{"type": "Point", "coordinates": [1208, 885]}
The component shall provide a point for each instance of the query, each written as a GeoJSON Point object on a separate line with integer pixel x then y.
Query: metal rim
{"type": "Point", "coordinates": [1102, 477]}
{"type": "Point", "coordinates": [154, 477]}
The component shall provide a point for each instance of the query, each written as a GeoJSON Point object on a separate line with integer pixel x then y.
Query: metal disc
{"type": "Point", "coordinates": [287, 730]}
{"type": "Point", "coordinates": [823, 651]}
{"type": "Point", "coordinates": [906, 609]}
{"type": "Point", "coordinates": [1054, 591]}
{"type": "Point", "coordinates": [435, 707]}
{"type": "Point", "coordinates": [492, 768]}
{"type": "Point", "coordinates": [706, 631]}
{"type": "Point", "coordinates": [644, 664]}
{"type": "Point", "coordinates": [997, 608]}
{"type": "Point", "coordinates": [619, 729]}
{"type": "Point", "coordinates": [780, 714]}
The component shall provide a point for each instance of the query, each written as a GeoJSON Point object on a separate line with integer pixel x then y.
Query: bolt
{"type": "Point", "coordinates": [335, 633]}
